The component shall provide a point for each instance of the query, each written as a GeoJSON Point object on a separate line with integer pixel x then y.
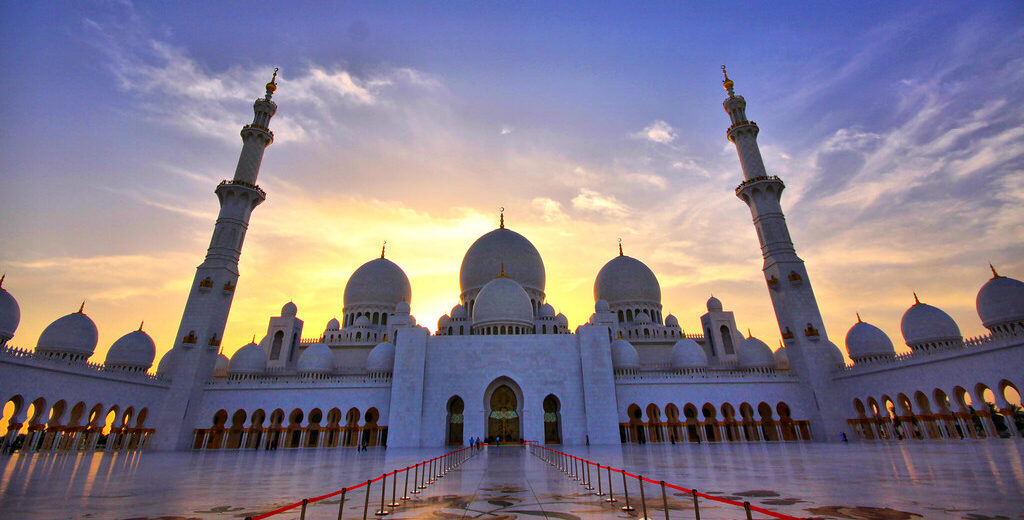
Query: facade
{"type": "Point", "coordinates": [504, 364]}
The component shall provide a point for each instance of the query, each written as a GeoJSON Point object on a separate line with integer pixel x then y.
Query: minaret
{"type": "Point", "coordinates": [209, 301]}
{"type": "Point", "coordinates": [796, 309]}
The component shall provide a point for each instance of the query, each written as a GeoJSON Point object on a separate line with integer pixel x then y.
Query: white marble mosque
{"type": "Point", "coordinates": [628, 375]}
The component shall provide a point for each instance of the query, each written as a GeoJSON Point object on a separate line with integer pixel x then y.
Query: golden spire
{"type": "Point", "coordinates": [501, 211]}
{"type": "Point", "coordinates": [502, 273]}
{"type": "Point", "coordinates": [81, 309]}
{"type": "Point", "coordinates": [620, 247]}
{"type": "Point", "coordinates": [140, 325]}
{"type": "Point", "coordinates": [2, 280]}
{"type": "Point", "coordinates": [916, 301]}
{"type": "Point", "coordinates": [992, 267]}
{"type": "Point", "coordinates": [253, 339]}
{"type": "Point", "coordinates": [272, 86]}
{"type": "Point", "coordinates": [749, 335]}
{"type": "Point", "coordinates": [727, 83]}
{"type": "Point", "coordinates": [858, 318]}
{"type": "Point", "coordinates": [382, 247]}
{"type": "Point", "coordinates": [620, 334]}
{"type": "Point", "coordinates": [385, 337]}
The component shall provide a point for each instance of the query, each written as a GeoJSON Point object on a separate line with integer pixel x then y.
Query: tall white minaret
{"type": "Point", "coordinates": [796, 309]}
{"type": "Point", "coordinates": [209, 301]}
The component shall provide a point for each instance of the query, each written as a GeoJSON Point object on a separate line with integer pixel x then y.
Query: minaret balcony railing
{"type": "Point", "coordinates": [759, 178]}
{"type": "Point", "coordinates": [739, 124]}
{"type": "Point", "coordinates": [244, 184]}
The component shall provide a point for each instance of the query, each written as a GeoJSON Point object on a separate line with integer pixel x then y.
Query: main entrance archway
{"type": "Point", "coordinates": [503, 412]}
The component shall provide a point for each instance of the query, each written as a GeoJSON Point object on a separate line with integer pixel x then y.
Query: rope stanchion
{"type": "Point", "coordinates": [643, 498]}
{"type": "Point", "coordinates": [383, 490]}
{"type": "Point", "coordinates": [664, 499]}
{"type": "Point", "coordinates": [405, 492]}
{"type": "Point", "coordinates": [366, 503]}
{"type": "Point", "coordinates": [599, 493]}
{"type": "Point", "coordinates": [590, 482]}
{"type": "Point", "coordinates": [625, 492]}
{"type": "Point", "coordinates": [341, 505]}
{"type": "Point", "coordinates": [415, 481]}
{"type": "Point", "coordinates": [302, 513]}
{"type": "Point", "coordinates": [696, 506]}
{"type": "Point", "coordinates": [394, 486]}
{"type": "Point", "coordinates": [746, 507]}
{"type": "Point", "coordinates": [611, 494]}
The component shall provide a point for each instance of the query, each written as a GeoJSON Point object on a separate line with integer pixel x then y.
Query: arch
{"type": "Point", "coordinates": [293, 437]}
{"type": "Point", "coordinates": [371, 430]}
{"type": "Point", "coordinates": [654, 423]}
{"type": "Point", "coordinates": [729, 422]}
{"type": "Point", "coordinates": [256, 429]}
{"type": "Point", "coordinates": [552, 420]}
{"type": "Point", "coordinates": [692, 422]}
{"type": "Point", "coordinates": [710, 414]}
{"type": "Point", "coordinates": [234, 436]}
{"type": "Point", "coordinates": [786, 425]}
{"type": "Point", "coordinates": [454, 420]}
{"type": "Point", "coordinates": [140, 420]}
{"type": "Point", "coordinates": [503, 400]}
{"type": "Point", "coordinates": [1013, 414]}
{"type": "Point", "coordinates": [313, 428]}
{"type": "Point", "coordinates": [351, 436]}
{"type": "Point", "coordinates": [333, 433]}
{"type": "Point", "coordinates": [275, 346]}
{"type": "Point", "coordinates": [726, 339]}
{"type": "Point", "coordinates": [672, 416]}
{"type": "Point", "coordinates": [634, 430]}
{"type": "Point", "coordinates": [749, 423]}
{"type": "Point", "coordinates": [769, 430]}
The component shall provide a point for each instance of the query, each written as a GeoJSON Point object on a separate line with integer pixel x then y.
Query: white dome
{"type": "Point", "coordinates": [134, 350]}
{"type": "Point", "coordinates": [502, 300]}
{"type": "Point", "coordinates": [781, 359]}
{"type": "Point", "coordinates": [334, 324]}
{"type": "Point", "coordinates": [73, 334]}
{"type": "Point", "coordinates": [220, 368]}
{"type": "Point", "coordinates": [643, 318]}
{"type": "Point", "coordinates": [250, 359]}
{"type": "Point", "coordinates": [168, 361]}
{"type": "Point", "coordinates": [381, 358]}
{"type": "Point", "coordinates": [1000, 302]}
{"type": "Point", "coordinates": [379, 281]}
{"type": "Point", "coordinates": [687, 353]}
{"type": "Point", "coordinates": [671, 321]}
{"type": "Point", "coordinates": [363, 321]}
{"type": "Point", "coordinates": [835, 356]}
{"type": "Point", "coordinates": [602, 306]}
{"type": "Point", "coordinates": [289, 310]}
{"type": "Point", "coordinates": [562, 320]}
{"type": "Point", "coordinates": [403, 308]}
{"type": "Point", "coordinates": [547, 311]}
{"type": "Point", "coordinates": [10, 314]}
{"type": "Point", "coordinates": [923, 324]}
{"type": "Point", "coordinates": [317, 358]}
{"type": "Point", "coordinates": [714, 304]}
{"type": "Point", "coordinates": [443, 322]}
{"type": "Point", "coordinates": [484, 259]}
{"type": "Point", "coordinates": [458, 312]}
{"type": "Point", "coordinates": [625, 279]}
{"type": "Point", "coordinates": [754, 353]}
{"type": "Point", "coordinates": [624, 356]}
{"type": "Point", "coordinates": [865, 341]}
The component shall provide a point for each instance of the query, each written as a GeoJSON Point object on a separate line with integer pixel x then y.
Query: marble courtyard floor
{"type": "Point", "coordinates": [945, 480]}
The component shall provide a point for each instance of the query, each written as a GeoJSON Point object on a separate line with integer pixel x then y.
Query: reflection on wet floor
{"type": "Point", "coordinates": [971, 481]}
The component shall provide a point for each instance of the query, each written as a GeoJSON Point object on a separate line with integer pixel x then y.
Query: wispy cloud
{"type": "Point", "coordinates": [658, 132]}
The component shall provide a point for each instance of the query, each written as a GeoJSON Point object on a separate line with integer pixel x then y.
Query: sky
{"type": "Point", "coordinates": [896, 127]}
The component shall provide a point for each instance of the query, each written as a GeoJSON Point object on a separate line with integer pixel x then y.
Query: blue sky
{"type": "Point", "coordinates": [896, 126]}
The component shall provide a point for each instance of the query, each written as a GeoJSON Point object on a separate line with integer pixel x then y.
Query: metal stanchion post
{"type": "Point", "coordinates": [643, 497]}
{"type": "Point", "coordinates": [625, 492]}
{"type": "Point", "coordinates": [696, 506]}
{"type": "Point", "coordinates": [366, 503]}
{"type": "Point", "coordinates": [394, 486]}
{"type": "Point", "coordinates": [341, 504]}
{"type": "Point", "coordinates": [383, 491]}
{"type": "Point", "coordinates": [611, 495]}
{"type": "Point", "coordinates": [664, 499]}
{"type": "Point", "coordinates": [600, 492]}
{"type": "Point", "coordinates": [416, 480]}
{"type": "Point", "coordinates": [405, 488]}
{"type": "Point", "coordinates": [590, 480]}
{"type": "Point", "coordinates": [575, 469]}
{"type": "Point", "coordinates": [746, 507]}
{"type": "Point", "coordinates": [302, 513]}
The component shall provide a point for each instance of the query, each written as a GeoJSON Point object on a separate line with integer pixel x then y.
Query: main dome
{"type": "Point", "coordinates": [379, 281]}
{"type": "Point", "coordinates": [10, 314]}
{"type": "Point", "coordinates": [484, 259]}
{"type": "Point", "coordinates": [626, 279]}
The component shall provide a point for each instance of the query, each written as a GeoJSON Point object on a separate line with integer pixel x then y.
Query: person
{"type": "Point", "coordinates": [588, 440]}
{"type": "Point", "coordinates": [470, 442]}
{"type": "Point", "coordinates": [843, 436]}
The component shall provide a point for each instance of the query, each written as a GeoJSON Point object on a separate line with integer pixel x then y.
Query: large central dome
{"type": "Point", "coordinates": [485, 257]}
{"type": "Point", "coordinates": [379, 282]}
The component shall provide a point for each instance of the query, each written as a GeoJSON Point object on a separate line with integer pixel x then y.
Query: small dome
{"type": "Point", "coordinates": [289, 310]}
{"type": "Point", "coordinates": [547, 311]}
{"type": "Point", "coordinates": [403, 308]}
{"type": "Point", "coordinates": [561, 320]}
{"type": "Point", "coordinates": [866, 341]}
{"type": "Point", "coordinates": [1000, 302]}
{"type": "Point", "coordinates": [379, 281]}
{"type": "Point", "coordinates": [381, 358]}
{"type": "Point", "coordinates": [754, 353]}
{"type": "Point", "coordinates": [74, 334]}
{"type": "Point", "coordinates": [458, 312]}
{"type": "Point", "coordinates": [625, 279]}
{"type": "Point", "coordinates": [334, 324]}
{"type": "Point", "coordinates": [133, 350]}
{"type": "Point", "coordinates": [602, 306]}
{"type": "Point", "coordinates": [781, 359]}
{"type": "Point", "coordinates": [443, 322]}
{"type": "Point", "coordinates": [486, 256]}
{"type": "Point", "coordinates": [923, 325]}
{"type": "Point", "coordinates": [624, 356]}
{"type": "Point", "coordinates": [317, 358]}
{"type": "Point", "coordinates": [687, 354]}
{"type": "Point", "coordinates": [167, 362]}
{"type": "Point", "coordinates": [220, 368]}
{"type": "Point", "coordinates": [714, 304]}
{"type": "Point", "coordinates": [643, 318]}
{"type": "Point", "coordinates": [10, 314]}
{"type": "Point", "coordinates": [363, 321]}
{"type": "Point", "coordinates": [834, 355]}
{"type": "Point", "coordinates": [671, 321]}
{"type": "Point", "coordinates": [502, 300]}
{"type": "Point", "coordinates": [249, 360]}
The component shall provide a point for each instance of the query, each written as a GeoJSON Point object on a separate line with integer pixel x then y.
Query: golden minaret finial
{"type": "Point", "coordinates": [620, 247]}
{"type": "Point", "coordinates": [501, 212]}
{"type": "Point", "coordinates": [858, 318]}
{"type": "Point", "coordinates": [620, 334]}
{"type": "Point", "coordinates": [385, 337]}
{"type": "Point", "coordinates": [81, 309]}
{"type": "Point", "coordinates": [749, 335]}
{"type": "Point", "coordinates": [382, 247]}
{"type": "Point", "coordinates": [253, 339]}
{"type": "Point", "coordinates": [141, 323]}
{"type": "Point", "coordinates": [272, 86]}
{"type": "Point", "coordinates": [990, 266]}
{"type": "Point", "coordinates": [727, 83]}
{"type": "Point", "coordinates": [502, 273]}
{"type": "Point", "coordinates": [916, 301]}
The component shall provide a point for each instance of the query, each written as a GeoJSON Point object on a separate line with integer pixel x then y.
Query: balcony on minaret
{"type": "Point", "coordinates": [214, 342]}
{"type": "Point", "coordinates": [205, 284]}
{"type": "Point", "coordinates": [190, 339]}
{"type": "Point", "coordinates": [811, 332]}
{"type": "Point", "coordinates": [787, 334]}
{"type": "Point", "coordinates": [229, 287]}
{"type": "Point", "coordinates": [773, 282]}
{"type": "Point", "coordinates": [761, 179]}
{"type": "Point", "coordinates": [795, 278]}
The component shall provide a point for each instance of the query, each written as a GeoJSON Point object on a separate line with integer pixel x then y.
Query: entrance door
{"type": "Point", "coordinates": [503, 419]}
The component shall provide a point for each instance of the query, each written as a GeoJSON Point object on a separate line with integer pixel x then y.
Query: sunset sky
{"type": "Point", "coordinates": [899, 133]}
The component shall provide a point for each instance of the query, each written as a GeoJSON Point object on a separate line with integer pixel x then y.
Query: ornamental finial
{"type": "Point", "coordinates": [916, 300]}
{"type": "Point", "coordinates": [141, 323]}
{"type": "Point", "coordinates": [727, 83]}
{"type": "Point", "coordinates": [501, 212]}
{"type": "Point", "coordinates": [858, 318]}
{"type": "Point", "coordinates": [382, 247]}
{"type": "Point", "coordinates": [990, 266]}
{"type": "Point", "coordinates": [2, 280]}
{"type": "Point", "coordinates": [749, 335]}
{"type": "Point", "coordinates": [253, 339]}
{"type": "Point", "coordinates": [272, 86]}
{"type": "Point", "coordinates": [81, 309]}
{"type": "Point", "coordinates": [502, 273]}
{"type": "Point", "coordinates": [620, 247]}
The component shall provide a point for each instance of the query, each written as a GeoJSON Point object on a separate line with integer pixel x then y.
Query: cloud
{"type": "Point", "coordinates": [590, 200]}
{"type": "Point", "coordinates": [658, 132]}
{"type": "Point", "coordinates": [505, 130]}
{"type": "Point", "coordinates": [646, 179]}
{"type": "Point", "coordinates": [551, 210]}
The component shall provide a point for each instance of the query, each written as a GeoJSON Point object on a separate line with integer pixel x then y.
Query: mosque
{"type": "Point", "coordinates": [504, 364]}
